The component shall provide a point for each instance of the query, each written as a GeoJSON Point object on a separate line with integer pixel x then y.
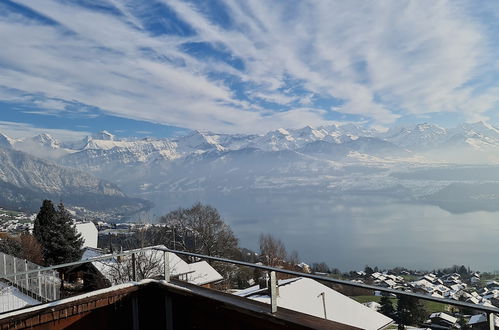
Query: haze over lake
{"type": "Point", "coordinates": [350, 232]}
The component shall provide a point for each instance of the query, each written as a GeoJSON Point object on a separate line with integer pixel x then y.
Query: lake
{"type": "Point", "coordinates": [351, 231]}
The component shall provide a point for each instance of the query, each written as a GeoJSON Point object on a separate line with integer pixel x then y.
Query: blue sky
{"type": "Point", "coordinates": [159, 67]}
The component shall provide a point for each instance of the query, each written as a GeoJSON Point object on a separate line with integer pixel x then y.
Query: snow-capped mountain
{"type": "Point", "coordinates": [416, 137]}
{"type": "Point", "coordinates": [47, 141]}
{"type": "Point", "coordinates": [104, 150]}
{"type": "Point", "coordinates": [280, 158]}
{"type": "Point", "coordinates": [103, 135]}
{"type": "Point", "coordinates": [5, 141]}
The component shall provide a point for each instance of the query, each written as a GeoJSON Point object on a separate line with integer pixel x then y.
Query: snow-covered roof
{"type": "Point", "coordinates": [444, 316]}
{"type": "Point", "coordinates": [89, 233]}
{"type": "Point", "coordinates": [304, 295]}
{"type": "Point", "coordinates": [203, 273]}
{"type": "Point", "coordinates": [89, 252]}
{"type": "Point", "coordinates": [11, 298]}
{"type": "Point", "coordinates": [430, 277]}
{"type": "Point", "coordinates": [390, 283]}
{"type": "Point", "coordinates": [473, 300]}
{"type": "Point", "coordinates": [481, 318]}
{"type": "Point", "coordinates": [109, 268]}
{"type": "Point", "coordinates": [424, 284]}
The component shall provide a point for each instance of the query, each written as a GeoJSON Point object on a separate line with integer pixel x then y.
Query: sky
{"type": "Point", "coordinates": [162, 67]}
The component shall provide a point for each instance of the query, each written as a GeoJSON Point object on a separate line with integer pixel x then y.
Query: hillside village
{"type": "Point", "coordinates": [472, 288]}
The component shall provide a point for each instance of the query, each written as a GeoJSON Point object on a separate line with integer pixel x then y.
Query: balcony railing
{"type": "Point", "coordinates": [489, 310]}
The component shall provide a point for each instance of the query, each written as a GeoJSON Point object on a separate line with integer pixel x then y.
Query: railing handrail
{"type": "Point", "coordinates": [487, 309]}
{"type": "Point", "coordinates": [482, 308]}
{"type": "Point", "coordinates": [81, 262]}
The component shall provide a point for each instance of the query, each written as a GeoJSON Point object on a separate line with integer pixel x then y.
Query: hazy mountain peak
{"type": "Point", "coordinates": [482, 128]}
{"type": "Point", "coordinates": [103, 135]}
{"type": "Point", "coordinates": [5, 141]}
{"type": "Point", "coordinates": [46, 140]}
{"type": "Point", "coordinates": [282, 131]}
{"type": "Point", "coordinates": [199, 141]}
{"type": "Point", "coordinates": [429, 127]}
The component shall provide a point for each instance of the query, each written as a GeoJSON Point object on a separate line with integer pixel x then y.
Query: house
{"type": "Point", "coordinates": [311, 297]}
{"type": "Point", "coordinates": [473, 300]}
{"type": "Point", "coordinates": [479, 321]}
{"type": "Point", "coordinates": [149, 264]}
{"type": "Point", "coordinates": [423, 285]}
{"type": "Point", "coordinates": [492, 285]}
{"type": "Point", "coordinates": [430, 278]}
{"type": "Point", "coordinates": [89, 233]}
{"type": "Point", "coordinates": [475, 279]}
{"type": "Point", "coordinates": [202, 274]}
{"type": "Point", "coordinates": [388, 283]}
{"type": "Point", "coordinates": [441, 321]}
{"type": "Point", "coordinates": [493, 297]}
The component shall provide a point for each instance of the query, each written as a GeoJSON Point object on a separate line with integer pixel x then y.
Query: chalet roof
{"type": "Point", "coordinates": [108, 268]}
{"type": "Point", "coordinates": [481, 318]}
{"type": "Point", "coordinates": [444, 316]}
{"type": "Point", "coordinates": [89, 252]}
{"type": "Point", "coordinates": [203, 273]}
{"type": "Point", "coordinates": [304, 295]}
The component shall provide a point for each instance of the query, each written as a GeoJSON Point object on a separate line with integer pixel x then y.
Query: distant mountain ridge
{"type": "Point", "coordinates": [347, 157]}
{"type": "Point", "coordinates": [26, 180]}
{"type": "Point", "coordinates": [106, 147]}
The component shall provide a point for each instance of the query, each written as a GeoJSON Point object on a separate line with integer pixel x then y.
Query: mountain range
{"type": "Point", "coordinates": [337, 158]}
{"type": "Point", "coordinates": [25, 181]}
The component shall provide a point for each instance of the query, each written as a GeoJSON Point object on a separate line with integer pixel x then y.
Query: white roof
{"type": "Point", "coordinates": [11, 298]}
{"type": "Point", "coordinates": [91, 253]}
{"type": "Point", "coordinates": [391, 283]}
{"type": "Point", "coordinates": [480, 318]}
{"type": "Point", "coordinates": [304, 295]}
{"type": "Point", "coordinates": [203, 273]}
{"type": "Point", "coordinates": [89, 233]}
{"type": "Point", "coordinates": [473, 300]}
{"type": "Point", "coordinates": [110, 268]}
{"type": "Point", "coordinates": [423, 284]}
{"type": "Point", "coordinates": [444, 316]}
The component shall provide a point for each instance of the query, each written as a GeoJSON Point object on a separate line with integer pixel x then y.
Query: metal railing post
{"type": "Point", "coordinates": [39, 282]}
{"type": "Point", "coordinates": [26, 269]}
{"type": "Point", "coordinates": [4, 264]}
{"type": "Point", "coordinates": [134, 278]}
{"type": "Point", "coordinates": [273, 292]}
{"type": "Point", "coordinates": [166, 261]}
{"type": "Point", "coordinates": [491, 321]}
{"type": "Point", "coordinates": [54, 285]}
{"type": "Point", "coordinates": [15, 270]}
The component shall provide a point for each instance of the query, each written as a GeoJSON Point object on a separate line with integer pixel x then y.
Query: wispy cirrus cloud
{"type": "Point", "coordinates": [22, 130]}
{"type": "Point", "coordinates": [240, 66]}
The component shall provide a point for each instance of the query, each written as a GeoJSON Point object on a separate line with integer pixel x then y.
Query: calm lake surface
{"type": "Point", "coordinates": [349, 232]}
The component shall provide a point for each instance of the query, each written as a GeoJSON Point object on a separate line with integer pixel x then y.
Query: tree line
{"type": "Point", "coordinates": [54, 240]}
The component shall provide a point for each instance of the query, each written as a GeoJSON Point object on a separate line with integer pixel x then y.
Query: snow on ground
{"type": "Point", "coordinates": [11, 298]}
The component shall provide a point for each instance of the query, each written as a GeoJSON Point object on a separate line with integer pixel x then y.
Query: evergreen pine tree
{"type": "Point", "coordinates": [409, 311]}
{"type": "Point", "coordinates": [58, 236]}
{"type": "Point", "coordinates": [387, 306]}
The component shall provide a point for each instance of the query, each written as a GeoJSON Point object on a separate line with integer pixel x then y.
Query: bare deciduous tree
{"type": "Point", "coordinates": [24, 246]}
{"type": "Point", "coordinates": [200, 229]}
{"type": "Point", "coordinates": [272, 251]}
